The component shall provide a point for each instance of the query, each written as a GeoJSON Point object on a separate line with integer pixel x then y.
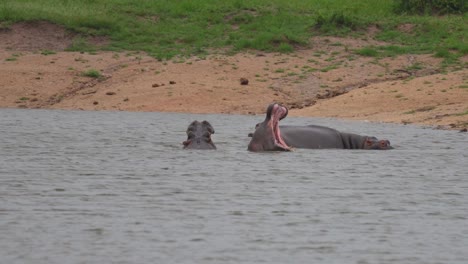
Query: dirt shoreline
{"type": "Point", "coordinates": [328, 80]}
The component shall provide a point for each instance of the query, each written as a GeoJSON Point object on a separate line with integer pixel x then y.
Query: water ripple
{"type": "Point", "coordinates": [116, 187]}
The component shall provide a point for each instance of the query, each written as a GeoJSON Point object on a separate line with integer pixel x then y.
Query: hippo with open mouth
{"type": "Point", "coordinates": [269, 136]}
{"type": "Point", "coordinates": [199, 136]}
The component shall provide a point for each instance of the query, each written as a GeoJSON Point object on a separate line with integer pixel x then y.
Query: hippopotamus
{"type": "Point", "coordinates": [199, 136]}
{"type": "Point", "coordinates": [269, 136]}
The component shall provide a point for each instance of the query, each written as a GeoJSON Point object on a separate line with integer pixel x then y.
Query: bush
{"type": "Point", "coordinates": [92, 73]}
{"type": "Point", "coordinates": [438, 7]}
{"type": "Point", "coordinates": [337, 20]}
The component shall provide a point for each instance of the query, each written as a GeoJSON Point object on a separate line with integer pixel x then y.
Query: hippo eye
{"type": "Point", "coordinates": [190, 128]}
{"type": "Point", "coordinates": [369, 143]}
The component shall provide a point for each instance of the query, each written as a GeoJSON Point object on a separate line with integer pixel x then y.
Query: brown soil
{"type": "Point", "coordinates": [404, 89]}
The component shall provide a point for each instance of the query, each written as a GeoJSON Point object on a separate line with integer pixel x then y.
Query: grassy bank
{"type": "Point", "coordinates": [167, 28]}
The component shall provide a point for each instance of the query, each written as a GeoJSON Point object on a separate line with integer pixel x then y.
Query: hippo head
{"type": "Point", "coordinates": [267, 135]}
{"type": "Point", "coordinates": [199, 136]}
{"type": "Point", "coordinates": [374, 143]}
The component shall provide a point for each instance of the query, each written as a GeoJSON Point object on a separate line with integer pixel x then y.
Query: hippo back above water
{"type": "Point", "coordinates": [320, 137]}
{"type": "Point", "coordinates": [199, 136]}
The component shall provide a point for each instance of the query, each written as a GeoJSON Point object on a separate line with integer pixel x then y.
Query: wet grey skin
{"type": "Point", "coordinates": [269, 136]}
{"type": "Point", "coordinates": [199, 136]}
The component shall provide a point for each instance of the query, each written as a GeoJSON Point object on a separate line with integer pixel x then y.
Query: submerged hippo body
{"type": "Point", "coordinates": [199, 136]}
{"type": "Point", "coordinates": [320, 137]}
{"type": "Point", "coordinates": [270, 136]}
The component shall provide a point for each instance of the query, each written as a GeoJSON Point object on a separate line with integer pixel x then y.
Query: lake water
{"type": "Point", "coordinates": [116, 187]}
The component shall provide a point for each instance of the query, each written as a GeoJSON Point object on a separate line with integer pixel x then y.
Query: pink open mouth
{"type": "Point", "coordinates": [279, 112]}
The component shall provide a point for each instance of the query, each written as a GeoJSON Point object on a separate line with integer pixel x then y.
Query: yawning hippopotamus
{"type": "Point", "coordinates": [199, 136]}
{"type": "Point", "coordinates": [269, 136]}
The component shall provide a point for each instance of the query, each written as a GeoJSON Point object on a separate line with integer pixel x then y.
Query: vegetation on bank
{"type": "Point", "coordinates": [167, 28]}
{"type": "Point", "coordinates": [436, 7]}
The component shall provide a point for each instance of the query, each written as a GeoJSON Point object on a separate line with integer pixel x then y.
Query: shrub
{"type": "Point", "coordinates": [337, 20]}
{"type": "Point", "coordinates": [431, 6]}
{"type": "Point", "coordinates": [368, 51]}
{"type": "Point", "coordinates": [92, 73]}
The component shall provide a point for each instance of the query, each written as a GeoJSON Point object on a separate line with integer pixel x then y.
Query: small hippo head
{"type": "Point", "coordinates": [267, 135]}
{"type": "Point", "coordinates": [374, 143]}
{"type": "Point", "coordinates": [199, 136]}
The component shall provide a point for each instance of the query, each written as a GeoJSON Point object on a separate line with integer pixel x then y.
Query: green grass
{"type": "Point", "coordinates": [368, 52]}
{"type": "Point", "coordinates": [13, 57]}
{"type": "Point", "coordinates": [80, 44]}
{"type": "Point", "coordinates": [421, 109]}
{"type": "Point", "coordinates": [165, 28]}
{"type": "Point", "coordinates": [462, 114]}
{"type": "Point", "coordinates": [92, 73]}
{"type": "Point", "coordinates": [47, 52]}
{"type": "Point", "coordinates": [430, 7]}
{"type": "Point", "coordinates": [414, 67]}
{"type": "Point", "coordinates": [329, 68]}
{"type": "Point", "coordinates": [389, 51]}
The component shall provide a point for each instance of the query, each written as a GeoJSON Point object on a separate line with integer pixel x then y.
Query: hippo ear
{"type": "Point", "coordinates": [208, 126]}
{"type": "Point", "coordinates": [190, 127]}
{"type": "Point", "coordinates": [195, 122]}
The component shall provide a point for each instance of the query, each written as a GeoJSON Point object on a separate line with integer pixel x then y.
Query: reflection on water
{"type": "Point", "coordinates": [116, 187]}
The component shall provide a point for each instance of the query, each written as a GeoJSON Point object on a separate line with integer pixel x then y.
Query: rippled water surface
{"type": "Point", "coordinates": [116, 187]}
